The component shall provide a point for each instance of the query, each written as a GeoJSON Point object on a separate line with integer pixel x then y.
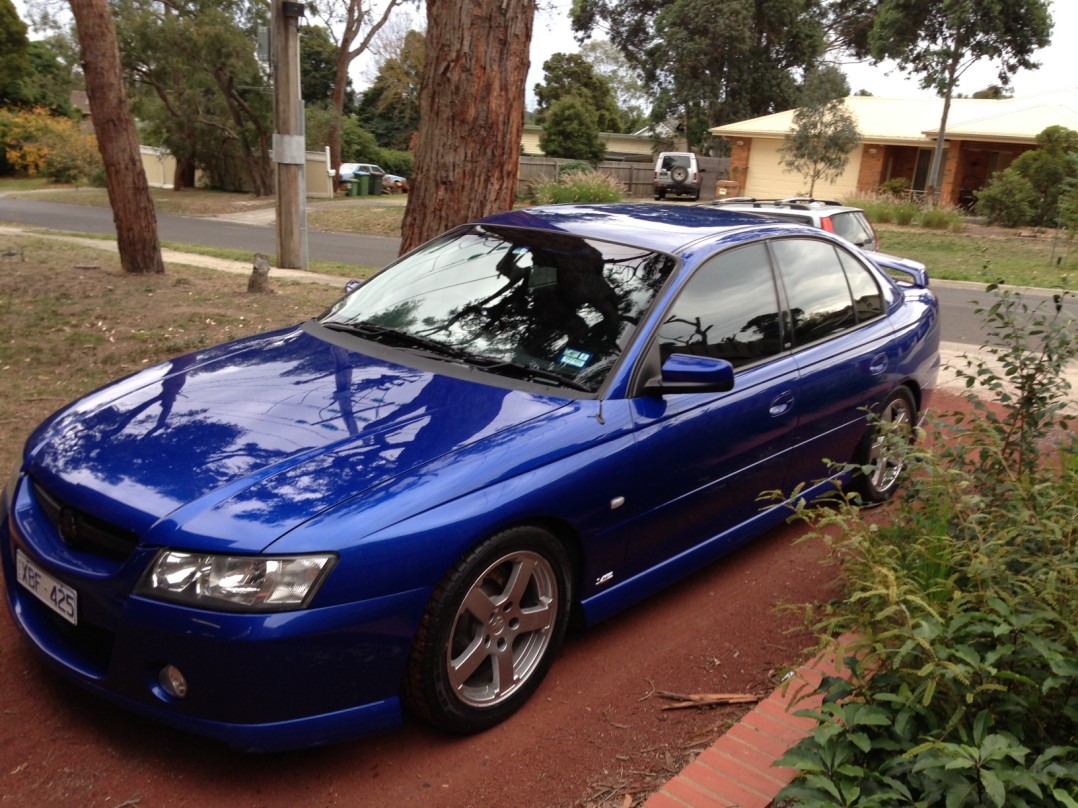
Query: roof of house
{"type": "Point", "coordinates": [914, 120]}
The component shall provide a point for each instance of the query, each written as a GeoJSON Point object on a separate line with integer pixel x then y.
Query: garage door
{"type": "Point", "coordinates": [768, 180]}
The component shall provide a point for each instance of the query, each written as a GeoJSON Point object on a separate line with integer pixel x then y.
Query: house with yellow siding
{"type": "Point", "coordinates": [897, 139]}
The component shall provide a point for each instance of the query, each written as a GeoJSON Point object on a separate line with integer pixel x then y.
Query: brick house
{"type": "Point", "coordinates": [897, 139]}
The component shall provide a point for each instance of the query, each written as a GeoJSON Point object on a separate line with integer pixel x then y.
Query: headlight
{"type": "Point", "coordinates": [236, 583]}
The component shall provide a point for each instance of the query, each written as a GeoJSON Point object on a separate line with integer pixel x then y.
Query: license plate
{"type": "Point", "coordinates": [59, 597]}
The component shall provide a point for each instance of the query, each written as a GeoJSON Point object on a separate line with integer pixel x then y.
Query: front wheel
{"type": "Point", "coordinates": [881, 448]}
{"type": "Point", "coordinates": [491, 631]}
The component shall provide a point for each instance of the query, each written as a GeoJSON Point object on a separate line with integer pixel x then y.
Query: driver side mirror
{"type": "Point", "coordinates": [682, 373]}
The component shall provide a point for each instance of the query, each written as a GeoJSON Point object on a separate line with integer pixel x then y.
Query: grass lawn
{"type": "Point", "coordinates": [65, 331]}
{"type": "Point", "coordinates": [984, 255]}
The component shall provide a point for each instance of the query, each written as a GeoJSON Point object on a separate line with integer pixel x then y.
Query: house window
{"type": "Point", "coordinates": [924, 163]}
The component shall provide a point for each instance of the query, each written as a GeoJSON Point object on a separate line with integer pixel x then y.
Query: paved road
{"type": "Point", "coordinates": [961, 325]}
{"type": "Point", "coordinates": [227, 232]}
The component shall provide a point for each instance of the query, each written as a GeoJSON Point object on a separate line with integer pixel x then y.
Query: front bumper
{"type": "Point", "coordinates": [256, 681]}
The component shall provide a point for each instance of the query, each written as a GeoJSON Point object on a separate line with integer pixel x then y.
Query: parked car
{"type": "Point", "coordinates": [279, 541]}
{"type": "Point", "coordinates": [350, 171]}
{"type": "Point", "coordinates": [850, 223]}
{"type": "Point", "coordinates": [677, 173]}
{"type": "Point", "coordinates": [391, 183]}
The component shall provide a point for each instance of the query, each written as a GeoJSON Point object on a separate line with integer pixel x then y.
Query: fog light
{"type": "Point", "coordinates": [172, 681]}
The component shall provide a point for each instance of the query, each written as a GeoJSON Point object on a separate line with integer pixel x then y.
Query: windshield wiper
{"type": "Point", "coordinates": [527, 373]}
{"type": "Point", "coordinates": [398, 339]}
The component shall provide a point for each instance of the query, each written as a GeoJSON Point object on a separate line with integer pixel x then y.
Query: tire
{"type": "Point", "coordinates": [878, 485]}
{"type": "Point", "coordinates": [679, 174]}
{"type": "Point", "coordinates": [660, 194]}
{"type": "Point", "coordinates": [491, 631]}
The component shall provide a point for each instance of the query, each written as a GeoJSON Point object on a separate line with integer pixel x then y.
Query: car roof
{"type": "Point", "coordinates": [666, 228]}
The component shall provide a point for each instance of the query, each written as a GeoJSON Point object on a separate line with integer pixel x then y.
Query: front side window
{"type": "Point", "coordinates": [729, 310]}
{"type": "Point", "coordinates": [512, 301]}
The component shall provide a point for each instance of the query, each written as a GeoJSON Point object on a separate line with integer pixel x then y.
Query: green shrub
{"type": "Point", "coordinates": [575, 165]}
{"type": "Point", "coordinates": [906, 213]}
{"type": "Point", "coordinates": [577, 187]}
{"type": "Point", "coordinates": [896, 186]}
{"type": "Point", "coordinates": [1008, 199]}
{"type": "Point", "coordinates": [943, 217]}
{"type": "Point", "coordinates": [963, 690]}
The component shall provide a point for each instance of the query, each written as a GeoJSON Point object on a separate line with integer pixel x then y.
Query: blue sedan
{"type": "Point", "coordinates": [288, 539]}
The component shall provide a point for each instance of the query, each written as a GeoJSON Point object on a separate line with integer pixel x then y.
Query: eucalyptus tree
{"type": "Point", "coordinates": [711, 62]}
{"type": "Point", "coordinates": [117, 138]}
{"type": "Point", "coordinates": [200, 86]}
{"type": "Point", "coordinates": [353, 24]}
{"type": "Point", "coordinates": [389, 108]}
{"type": "Point", "coordinates": [824, 131]}
{"type": "Point", "coordinates": [626, 82]}
{"type": "Point", "coordinates": [471, 107]}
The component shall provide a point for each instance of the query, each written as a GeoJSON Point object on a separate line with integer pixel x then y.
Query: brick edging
{"type": "Point", "coordinates": [738, 769]}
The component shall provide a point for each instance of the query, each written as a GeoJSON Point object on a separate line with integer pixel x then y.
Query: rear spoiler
{"type": "Point", "coordinates": [915, 271]}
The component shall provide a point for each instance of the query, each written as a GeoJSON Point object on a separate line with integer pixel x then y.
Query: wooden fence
{"type": "Point", "coordinates": [637, 177]}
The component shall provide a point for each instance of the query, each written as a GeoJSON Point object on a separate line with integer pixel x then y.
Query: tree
{"type": "Point", "coordinates": [824, 131]}
{"type": "Point", "coordinates": [389, 109]}
{"type": "Point", "coordinates": [346, 19]}
{"type": "Point", "coordinates": [318, 68]}
{"type": "Point", "coordinates": [711, 62]}
{"type": "Point", "coordinates": [471, 108]}
{"type": "Point", "coordinates": [571, 130]}
{"type": "Point", "coordinates": [568, 74]}
{"type": "Point", "coordinates": [625, 82]}
{"type": "Point", "coordinates": [940, 40]}
{"type": "Point", "coordinates": [125, 180]}
{"type": "Point", "coordinates": [199, 87]}
{"type": "Point", "coordinates": [15, 66]}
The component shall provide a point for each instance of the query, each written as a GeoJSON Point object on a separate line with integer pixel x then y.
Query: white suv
{"type": "Point", "coordinates": [850, 223]}
{"type": "Point", "coordinates": [677, 173]}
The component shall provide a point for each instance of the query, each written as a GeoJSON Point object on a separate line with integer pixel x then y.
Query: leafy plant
{"type": "Point", "coordinates": [963, 686]}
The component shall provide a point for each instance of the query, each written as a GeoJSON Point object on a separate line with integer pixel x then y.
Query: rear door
{"type": "Point", "coordinates": [843, 347]}
{"type": "Point", "coordinates": [702, 459]}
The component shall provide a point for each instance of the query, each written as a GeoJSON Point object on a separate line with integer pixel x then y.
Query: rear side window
{"type": "Point", "coordinates": [672, 161]}
{"type": "Point", "coordinates": [828, 291]}
{"type": "Point", "coordinates": [854, 227]}
{"type": "Point", "coordinates": [867, 298]}
{"type": "Point", "coordinates": [729, 310]}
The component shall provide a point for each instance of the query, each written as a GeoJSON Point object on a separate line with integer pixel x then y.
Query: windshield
{"type": "Point", "coordinates": [543, 306]}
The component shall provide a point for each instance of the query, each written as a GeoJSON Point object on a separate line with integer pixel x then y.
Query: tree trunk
{"type": "Point", "coordinates": [471, 110]}
{"type": "Point", "coordinates": [935, 167]}
{"type": "Point", "coordinates": [129, 192]}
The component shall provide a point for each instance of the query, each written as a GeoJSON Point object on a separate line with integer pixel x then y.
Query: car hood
{"type": "Point", "coordinates": [250, 439]}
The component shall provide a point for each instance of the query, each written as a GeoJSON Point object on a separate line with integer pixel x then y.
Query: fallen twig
{"type": "Point", "coordinates": [683, 701]}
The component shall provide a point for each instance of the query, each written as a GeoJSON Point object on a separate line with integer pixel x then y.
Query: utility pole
{"type": "Point", "coordinates": [289, 148]}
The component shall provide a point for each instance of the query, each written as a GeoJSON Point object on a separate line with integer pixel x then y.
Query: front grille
{"type": "Point", "coordinates": [82, 531]}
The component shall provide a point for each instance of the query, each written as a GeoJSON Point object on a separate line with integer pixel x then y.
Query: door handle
{"type": "Point", "coordinates": [781, 404]}
{"type": "Point", "coordinates": [878, 364]}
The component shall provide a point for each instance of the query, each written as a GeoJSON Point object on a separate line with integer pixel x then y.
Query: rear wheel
{"type": "Point", "coordinates": [491, 631]}
{"type": "Point", "coordinates": [882, 451]}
